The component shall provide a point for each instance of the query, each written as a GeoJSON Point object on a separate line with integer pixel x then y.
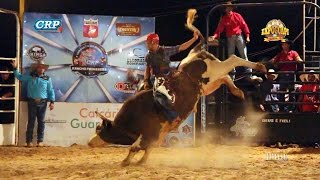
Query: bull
{"type": "Point", "coordinates": [142, 118]}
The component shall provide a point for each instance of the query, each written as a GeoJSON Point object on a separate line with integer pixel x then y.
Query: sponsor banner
{"type": "Point", "coordinates": [48, 25]}
{"type": "Point", "coordinates": [128, 29]}
{"type": "Point", "coordinates": [37, 53]}
{"type": "Point", "coordinates": [88, 56]}
{"type": "Point", "coordinates": [184, 136]}
{"type": "Point", "coordinates": [78, 124]}
{"type": "Point", "coordinates": [275, 30]}
{"type": "Point", "coordinates": [90, 28]}
{"type": "Point", "coordinates": [90, 59]}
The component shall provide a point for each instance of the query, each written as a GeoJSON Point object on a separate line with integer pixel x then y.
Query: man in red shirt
{"type": "Point", "coordinates": [234, 25]}
{"type": "Point", "coordinates": [285, 61]}
{"type": "Point", "coordinates": [309, 98]}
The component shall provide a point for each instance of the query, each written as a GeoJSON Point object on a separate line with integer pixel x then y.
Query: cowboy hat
{"type": "Point", "coordinates": [305, 77]}
{"type": "Point", "coordinates": [270, 71]}
{"type": "Point", "coordinates": [286, 41]}
{"type": "Point", "coordinates": [34, 66]}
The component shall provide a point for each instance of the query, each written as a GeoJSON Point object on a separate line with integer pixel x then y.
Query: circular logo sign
{"type": "Point", "coordinates": [37, 53]}
{"type": "Point", "coordinates": [90, 59]}
{"type": "Point", "coordinates": [275, 30]}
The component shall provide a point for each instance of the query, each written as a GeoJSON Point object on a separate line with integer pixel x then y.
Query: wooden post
{"type": "Point", "coordinates": [21, 9]}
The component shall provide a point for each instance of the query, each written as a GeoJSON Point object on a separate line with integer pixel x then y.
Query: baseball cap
{"type": "Point", "coordinates": [153, 37]}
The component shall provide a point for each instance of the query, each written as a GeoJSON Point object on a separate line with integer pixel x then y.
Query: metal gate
{"type": "Point", "coordinates": [223, 106]}
{"type": "Point", "coordinates": [9, 131]}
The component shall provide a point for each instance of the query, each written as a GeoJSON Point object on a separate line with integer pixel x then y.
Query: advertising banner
{"type": "Point", "coordinates": [96, 63]}
{"type": "Point", "coordinates": [93, 59]}
{"type": "Point", "coordinates": [75, 123]}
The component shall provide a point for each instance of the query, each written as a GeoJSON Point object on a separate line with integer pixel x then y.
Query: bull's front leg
{"type": "Point", "coordinates": [163, 132]}
{"type": "Point", "coordinates": [145, 156]}
{"type": "Point", "coordinates": [134, 149]}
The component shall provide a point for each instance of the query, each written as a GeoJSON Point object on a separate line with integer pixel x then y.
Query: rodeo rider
{"type": "Point", "coordinates": [158, 60]}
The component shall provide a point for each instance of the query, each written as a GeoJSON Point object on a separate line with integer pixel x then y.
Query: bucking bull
{"type": "Point", "coordinates": [139, 121]}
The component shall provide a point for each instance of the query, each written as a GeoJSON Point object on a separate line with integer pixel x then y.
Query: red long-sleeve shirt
{"type": "Point", "coordinates": [234, 25]}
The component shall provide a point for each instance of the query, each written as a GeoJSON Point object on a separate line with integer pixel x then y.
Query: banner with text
{"type": "Point", "coordinates": [75, 123]}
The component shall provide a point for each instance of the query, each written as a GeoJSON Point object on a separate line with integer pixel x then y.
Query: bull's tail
{"type": "Point", "coordinates": [191, 16]}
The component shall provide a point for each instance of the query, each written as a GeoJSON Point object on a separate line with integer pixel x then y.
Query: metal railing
{"type": "Point", "coordinates": [288, 3]}
{"type": "Point", "coordinates": [16, 84]}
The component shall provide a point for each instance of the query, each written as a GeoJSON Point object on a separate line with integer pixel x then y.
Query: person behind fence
{"type": "Point", "coordinates": [6, 92]}
{"type": "Point", "coordinates": [267, 87]}
{"type": "Point", "coordinates": [286, 60]}
{"type": "Point", "coordinates": [309, 88]}
{"type": "Point", "coordinates": [39, 92]}
{"type": "Point", "coordinates": [234, 25]}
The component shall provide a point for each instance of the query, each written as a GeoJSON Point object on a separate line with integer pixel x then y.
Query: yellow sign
{"type": "Point", "coordinates": [275, 30]}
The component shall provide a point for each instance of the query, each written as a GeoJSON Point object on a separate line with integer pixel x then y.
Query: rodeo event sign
{"type": "Point", "coordinates": [96, 62]}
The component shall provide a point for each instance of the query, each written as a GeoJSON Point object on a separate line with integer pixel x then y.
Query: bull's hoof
{"type": "Point", "coordinates": [239, 93]}
{"type": "Point", "coordinates": [262, 68]}
{"type": "Point", "coordinates": [141, 161]}
{"type": "Point", "coordinates": [125, 163]}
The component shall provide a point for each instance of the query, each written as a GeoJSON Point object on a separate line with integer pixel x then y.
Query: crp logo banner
{"type": "Point", "coordinates": [76, 125]}
{"type": "Point", "coordinates": [275, 30]}
{"type": "Point", "coordinates": [50, 25]}
{"type": "Point", "coordinates": [89, 55]}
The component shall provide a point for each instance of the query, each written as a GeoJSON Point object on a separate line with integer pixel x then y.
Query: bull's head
{"type": "Point", "coordinates": [106, 123]}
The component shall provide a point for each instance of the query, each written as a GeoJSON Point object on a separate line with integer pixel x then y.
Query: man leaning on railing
{"type": "Point", "coordinates": [283, 61]}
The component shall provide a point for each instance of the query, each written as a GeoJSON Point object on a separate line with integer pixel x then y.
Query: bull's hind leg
{"type": "Point", "coordinates": [134, 149]}
{"type": "Point", "coordinates": [235, 61]}
{"type": "Point", "coordinates": [208, 89]}
{"type": "Point", "coordinates": [232, 87]}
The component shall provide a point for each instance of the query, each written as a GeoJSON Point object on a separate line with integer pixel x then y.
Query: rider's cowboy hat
{"type": "Point", "coordinates": [41, 64]}
{"type": "Point", "coordinates": [274, 76]}
{"type": "Point", "coordinates": [305, 77]}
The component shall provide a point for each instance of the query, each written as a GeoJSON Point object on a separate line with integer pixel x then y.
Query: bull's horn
{"type": "Point", "coordinates": [106, 122]}
{"type": "Point", "coordinates": [101, 116]}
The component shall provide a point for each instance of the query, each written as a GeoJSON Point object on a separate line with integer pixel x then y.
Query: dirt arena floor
{"type": "Point", "coordinates": [205, 162]}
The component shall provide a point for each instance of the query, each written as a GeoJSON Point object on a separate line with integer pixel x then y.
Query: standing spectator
{"type": "Point", "coordinates": [40, 91]}
{"type": "Point", "coordinates": [286, 60]}
{"type": "Point", "coordinates": [266, 89]}
{"type": "Point", "coordinates": [309, 98]}
{"type": "Point", "coordinates": [234, 25]}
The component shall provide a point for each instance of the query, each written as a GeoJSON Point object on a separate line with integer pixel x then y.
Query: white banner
{"type": "Point", "coordinates": [71, 123]}
{"type": "Point", "coordinates": [68, 123]}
